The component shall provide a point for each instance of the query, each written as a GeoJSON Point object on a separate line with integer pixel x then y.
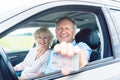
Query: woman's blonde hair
{"type": "Point", "coordinates": [44, 31]}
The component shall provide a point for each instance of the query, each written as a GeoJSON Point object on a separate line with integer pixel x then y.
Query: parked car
{"type": "Point", "coordinates": [97, 25]}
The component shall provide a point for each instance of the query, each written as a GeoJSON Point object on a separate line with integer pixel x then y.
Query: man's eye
{"type": "Point", "coordinates": [59, 28]}
{"type": "Point", "coordinates": [39, 37]}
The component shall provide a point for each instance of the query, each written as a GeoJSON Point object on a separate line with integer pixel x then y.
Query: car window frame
{"type": "Point", "coordinates": [89, 66]}
{"type": "Point", "coordinates": [84, 69]}
{"type": "Point", "coordinates": [114, 30]}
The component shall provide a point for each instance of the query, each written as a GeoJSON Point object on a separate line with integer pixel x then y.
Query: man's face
{"type": "Point", "coordinates": [65, 31]}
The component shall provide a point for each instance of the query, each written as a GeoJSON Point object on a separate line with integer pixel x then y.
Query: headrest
{"type": "Point", "coordinates": [88, 36]}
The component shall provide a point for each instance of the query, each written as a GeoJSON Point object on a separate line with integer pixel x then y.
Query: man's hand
{"type": "Point", "coordinates": [66, 49]}
{"type": "Point", "coordinates": [19, 78]}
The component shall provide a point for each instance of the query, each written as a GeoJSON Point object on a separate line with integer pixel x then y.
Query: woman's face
{"type": "Point", "coordinates": [42, 41]}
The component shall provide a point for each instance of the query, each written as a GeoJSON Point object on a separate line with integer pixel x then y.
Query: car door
{"type": "Point", "coordinates": [87, 14]}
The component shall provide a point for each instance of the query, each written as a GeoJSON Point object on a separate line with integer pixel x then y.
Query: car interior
{"type": "Point", "coordinates": [92, 39]}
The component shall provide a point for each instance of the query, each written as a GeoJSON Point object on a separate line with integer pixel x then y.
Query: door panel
{"type": "Point", "coordinates": [108, 72]}
{"type": "Point", "coordinates": [17, 57]}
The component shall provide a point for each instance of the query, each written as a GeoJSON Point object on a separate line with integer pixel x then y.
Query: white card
{"type": "Point", "coordinates": [59, 62]}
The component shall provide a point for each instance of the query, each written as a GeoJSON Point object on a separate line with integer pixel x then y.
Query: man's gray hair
{"type": "Point", "coordinates": [66, 18]}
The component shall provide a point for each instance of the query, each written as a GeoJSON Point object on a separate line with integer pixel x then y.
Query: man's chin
{"type": "Point", "coordinates": [63, 41]}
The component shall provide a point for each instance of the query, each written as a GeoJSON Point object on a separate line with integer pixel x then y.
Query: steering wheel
{"type": "Point", "coordinates": [6, 69]}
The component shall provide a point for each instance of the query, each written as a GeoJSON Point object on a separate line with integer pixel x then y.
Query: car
{"type": "Point", "coordinates": [97, 25]}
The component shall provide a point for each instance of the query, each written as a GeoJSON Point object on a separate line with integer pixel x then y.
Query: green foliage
{"type": "Point", "coordinates": [17, 42]}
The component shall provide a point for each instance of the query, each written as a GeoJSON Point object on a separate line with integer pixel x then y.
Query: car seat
{"type": "Point", "coordinates": [55, 41]}
{"type": "Point", "coordinates": [91, 38]}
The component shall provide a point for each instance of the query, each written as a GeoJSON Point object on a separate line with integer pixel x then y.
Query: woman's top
{"type": "Point", "coordinates": [32, 67]}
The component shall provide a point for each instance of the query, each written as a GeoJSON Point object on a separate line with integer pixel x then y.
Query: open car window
{"type": "Point", "coordinates": [85, 17]}
{"type": "Point", "coordinates": [20, 39]}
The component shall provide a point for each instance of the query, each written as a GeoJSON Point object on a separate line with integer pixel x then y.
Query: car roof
{"type": "Point", "coordinates": [8, 6]}
{"type": "Point", "coordinates": [12, 12]}
{"type": "Point", "coordinates": [16, 6]}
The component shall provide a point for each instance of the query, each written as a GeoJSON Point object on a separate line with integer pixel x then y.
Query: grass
{"type": "Point", "coordinates": [17, 42]}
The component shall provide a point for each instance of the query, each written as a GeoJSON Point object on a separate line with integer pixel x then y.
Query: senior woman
{"type": "Point", "coordinates": [37, 57]}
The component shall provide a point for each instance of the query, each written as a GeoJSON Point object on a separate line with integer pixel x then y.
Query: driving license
{"type": "Point", "coordinates": [59, 62]}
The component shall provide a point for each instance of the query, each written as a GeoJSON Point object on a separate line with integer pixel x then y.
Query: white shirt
{"type": "Point", "coordinates": [31, 67]}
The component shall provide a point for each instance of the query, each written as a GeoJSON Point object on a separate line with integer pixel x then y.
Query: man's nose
{"type": "Point", "coordinates": [63, 30]}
